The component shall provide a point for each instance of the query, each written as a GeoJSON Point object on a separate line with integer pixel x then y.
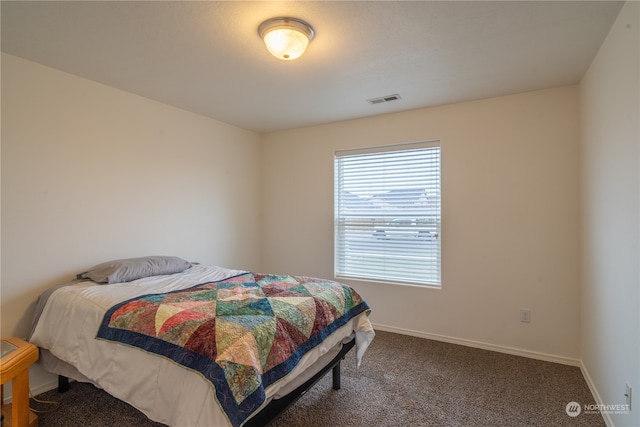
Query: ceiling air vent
{"type": "Point", "coordinates": [383, 99]}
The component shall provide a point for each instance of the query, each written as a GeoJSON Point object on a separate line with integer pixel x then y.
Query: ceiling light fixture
{"type": "Point", "coordinates": [286, 38]}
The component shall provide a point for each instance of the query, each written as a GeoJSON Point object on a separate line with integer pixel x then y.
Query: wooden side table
{"type": "Point", "coordinates": [16, 357]}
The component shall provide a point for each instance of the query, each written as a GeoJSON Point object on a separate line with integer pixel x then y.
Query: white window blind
{"type": "Point", "coordinates": [387, 213]}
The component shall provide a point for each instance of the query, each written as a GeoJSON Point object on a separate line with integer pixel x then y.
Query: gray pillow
{"type": "Point", "coordinates": [126, 270]}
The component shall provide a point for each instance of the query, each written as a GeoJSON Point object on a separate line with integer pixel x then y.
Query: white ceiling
{"type": "Point", "coordinates": [207, 57]}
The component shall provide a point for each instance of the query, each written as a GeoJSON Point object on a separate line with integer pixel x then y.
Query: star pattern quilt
{"type": "Point", "coordinates": [242, 334]}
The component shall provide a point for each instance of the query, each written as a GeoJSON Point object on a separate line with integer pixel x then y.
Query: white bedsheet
{"type": "Point", "coordinates": [165, 391]}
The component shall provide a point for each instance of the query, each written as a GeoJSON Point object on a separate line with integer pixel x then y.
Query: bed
{"type": "Point", "coordinates": [195, 345]}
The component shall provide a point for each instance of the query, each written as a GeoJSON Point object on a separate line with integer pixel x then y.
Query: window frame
{"type": "Point", "coordinates": [340, 218]}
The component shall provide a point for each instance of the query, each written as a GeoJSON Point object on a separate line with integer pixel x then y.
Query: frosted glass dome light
{"type": "Point", "coordinates": [286, 38]}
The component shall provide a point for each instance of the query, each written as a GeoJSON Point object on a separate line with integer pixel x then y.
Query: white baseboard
{"type": "Point", "coordinates": [40, 388]}
{"type": "Point", "coordinates": [484, 346]}
{"type": "Point", "coordinates": [594, 391]}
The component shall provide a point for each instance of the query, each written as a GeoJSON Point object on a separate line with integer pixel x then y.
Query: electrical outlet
{"type": "Point", "coordinates": [525, 315]}
{"type": "Point", "coordinates": [628, 394]}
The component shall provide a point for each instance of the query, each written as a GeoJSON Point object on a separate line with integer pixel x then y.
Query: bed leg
{"type": "Point", "coordinates": [336, 376]}
{"type": "Point", "coordinates": [63, 384]}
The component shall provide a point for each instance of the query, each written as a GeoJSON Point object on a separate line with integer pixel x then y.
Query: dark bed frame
{"type": "Point", "coordinates": [270, 412]}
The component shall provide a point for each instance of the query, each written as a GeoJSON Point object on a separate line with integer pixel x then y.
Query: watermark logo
{"type": "Point", "coordinates": [573, 409]}
{"type": "Point", "coordinates": [616, 408]}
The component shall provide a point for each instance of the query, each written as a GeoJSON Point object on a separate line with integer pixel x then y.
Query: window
{"type": "Point", "coordinates": [387, 213]}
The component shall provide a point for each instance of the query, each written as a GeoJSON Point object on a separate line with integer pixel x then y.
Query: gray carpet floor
{"type": "Point", "coordinates": [403, 381]}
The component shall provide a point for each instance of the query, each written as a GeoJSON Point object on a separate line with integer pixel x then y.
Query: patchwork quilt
{"type": "Point", "coordinates": [242, 334]}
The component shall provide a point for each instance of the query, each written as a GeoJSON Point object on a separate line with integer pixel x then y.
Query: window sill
{"type": "Point", "coordinates": [390, 282]}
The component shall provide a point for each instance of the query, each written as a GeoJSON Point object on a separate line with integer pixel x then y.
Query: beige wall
{"type": "Point", "coordinates": [610, 179]}
{"type": "Point", "coordinates": [91, 173]}
{"type": "Point", "coordinates": [509, 209]}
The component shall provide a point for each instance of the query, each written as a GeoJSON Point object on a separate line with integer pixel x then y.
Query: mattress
{"type": "Point", "coordinates": [163, 390]}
